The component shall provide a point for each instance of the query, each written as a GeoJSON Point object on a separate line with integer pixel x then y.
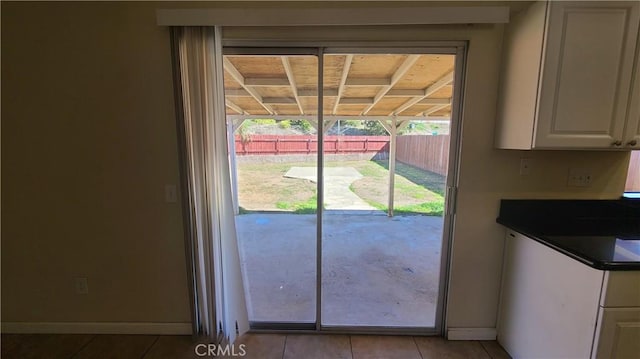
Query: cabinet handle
{"type": "Point", "coordinates": [632, 143]}
{"type": "Point", "coordinates": [616, 143]}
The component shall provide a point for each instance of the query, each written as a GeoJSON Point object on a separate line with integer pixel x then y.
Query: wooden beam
{"type": "Point", "coordinates": [241, 80]}
{"type": "Point", "coordinates": [329, 123]}
{"type": "Point", "coordinates": [402, 125]}
{"type": "Point", "coordinates": [267, 81]}
{"type": "Point", "coordinates": [279, 100]}
{"type": "Point", "coordinates": [402, 69]}
{"type": "Point", "coordinates": [237, 123]}
{"type": "Point", "coordinates": [347, 117]}
{"type": "Point", "coordinates": [314, 93]}
{"type": "Point", "coordinates": [435, 109]}
{"type": "Point", "coordinates": [343, 79]}
{"type": "Point", "coordinates": [440, 83]}
{"type": "Point", "coordinates": [434, 101]}
{"type": "Point", "coordinates": [405, 93]}
{"type": "Point", "coordinates": [231, 69]}
{"type": "Point", "coordinates": [313, 122]}
{"type": "Point", "coordinates": [368, 82]}
{"type": "Point", "coordinates": [356, 101]}
{"type": "Point", "coordinates": [292, 81]}
{"type": "Point", "coordinates": [385, 124]}
{"type": "Point", "coordinates": [235, 107]}
{"type": "Point", "coordinates": [437, 104]}
{"type": "Point", "coordinates": [236, 93]}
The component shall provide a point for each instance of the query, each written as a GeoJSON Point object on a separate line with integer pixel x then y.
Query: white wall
{"type": "Point", "coordinates": [88, 143]}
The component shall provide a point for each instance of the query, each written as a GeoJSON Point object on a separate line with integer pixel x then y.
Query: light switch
{"type": "Point", "coordinates": [170, 193]}
{"type": "Point", "coordinates": [82, 285]}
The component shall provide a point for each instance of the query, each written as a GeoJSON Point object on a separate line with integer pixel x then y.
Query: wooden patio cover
{"type": "Point", "coordinates": [392, 89]}
{"type": "Point", "coordinates": [364, 86]}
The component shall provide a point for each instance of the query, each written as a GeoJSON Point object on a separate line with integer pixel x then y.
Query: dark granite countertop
{"type": "Point", "coordinates": [603, 234]}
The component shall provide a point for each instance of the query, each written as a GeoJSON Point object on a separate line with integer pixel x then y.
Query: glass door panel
{"type": "Point", "coordinates": [272, 120]}
{"type": "Point", "coordinates": [385, 160]}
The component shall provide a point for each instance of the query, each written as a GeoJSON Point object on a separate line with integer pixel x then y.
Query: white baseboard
{"type": "Point", "coordinates": [96, 328]}
{"type": "Point", "coordinates": [472, 334]}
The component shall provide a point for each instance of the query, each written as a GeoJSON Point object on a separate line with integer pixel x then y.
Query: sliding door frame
{"type": "Point", "coordinates": [319, 49]}
{"type": "Point", "coordinates": [290, 327]}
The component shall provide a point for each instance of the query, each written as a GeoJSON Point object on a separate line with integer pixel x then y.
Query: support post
{"type": "Point", "coordinates": [231, 140]}
{"type": "Point", "coordinates": [392, 163]}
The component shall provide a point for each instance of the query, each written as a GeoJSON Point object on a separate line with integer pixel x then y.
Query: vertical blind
{"type": "Point", "coordinates": [218, 301]}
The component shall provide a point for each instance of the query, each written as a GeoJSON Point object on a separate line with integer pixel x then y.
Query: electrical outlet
{"type": "Point", "coordinates": [587, 179]}
{"type": "Point", "coordinates": [525, 166]}
{"type": "Point", "coordinates": [82, 285]}
{"type": "Point", "coordinates": [579, 177]}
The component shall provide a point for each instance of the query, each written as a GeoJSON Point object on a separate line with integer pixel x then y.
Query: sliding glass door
{"type": "Point", "coordinates": [383, 220]}
{"type": "Point", "coordinates": [343, 161]}
{"type": "Point", "coordinates": [272, 130]}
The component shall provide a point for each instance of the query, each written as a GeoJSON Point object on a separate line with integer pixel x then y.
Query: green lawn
{"type": "Point", "coordinates": [416, 191]}
{"type": "Point", "coordinates": [263, 187]}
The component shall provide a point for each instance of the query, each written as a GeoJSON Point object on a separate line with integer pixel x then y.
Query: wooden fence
{"type": "Point", "coordinates": [430, 153]}
{"type": "Point", "coordinates": [304, 144]}
{"type": "Point", "coordinates": [633, 178]}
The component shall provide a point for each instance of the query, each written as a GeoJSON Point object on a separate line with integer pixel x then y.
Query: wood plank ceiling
{"type": "Point", "coordinates": [354, 85]}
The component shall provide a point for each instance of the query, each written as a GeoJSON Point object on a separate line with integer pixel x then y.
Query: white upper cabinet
{"type": "Point", "coordinates": [632, 131]}
{"type": "Point", "coordinates": [567, 77]}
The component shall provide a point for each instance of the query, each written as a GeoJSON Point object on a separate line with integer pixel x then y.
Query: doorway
{"type": "Point", "coordinates": [344, 177]}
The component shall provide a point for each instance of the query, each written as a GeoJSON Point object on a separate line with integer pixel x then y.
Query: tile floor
{"type": "Point", "coordinates": [256, 346]}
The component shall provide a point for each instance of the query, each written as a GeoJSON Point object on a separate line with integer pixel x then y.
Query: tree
{"type": "Point", "coordinates": [374, 128]}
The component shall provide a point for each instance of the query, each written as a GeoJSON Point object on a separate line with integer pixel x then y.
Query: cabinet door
{"type": "Point", "coordinates": [632, 131]}
{"type": "Point", "coordinates": [548, 302]}
{"type": "Point", "coordinates": [621, 289]}
{"type": "Point", "coordinates": [586, 74]}
{"type": "Point", "coordinates": [619, 333]}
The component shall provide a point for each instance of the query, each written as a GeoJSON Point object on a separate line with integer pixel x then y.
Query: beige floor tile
{"type": "Point", "coordinates": [52, 346]}
{"type": "Point", "coordinates": [175, 347]}
{"type": "Point", "coordinates": [317, 347]}
{"type": "Point", "coordinates": [383, 347]}
{"type": "Point", "coordinates": [261, 346]}
{"type": "Point", "coordinates": [495, 350]}
{"type": "Point", "coordinates": [117, 347]}
{"type": "Point", "coordinates": [440, 348]}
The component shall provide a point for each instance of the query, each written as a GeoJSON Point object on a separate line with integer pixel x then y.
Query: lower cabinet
{"type": "Point", "coordinates": [618, 334]}
{"type": "Point", "coordinates": [552, 306]}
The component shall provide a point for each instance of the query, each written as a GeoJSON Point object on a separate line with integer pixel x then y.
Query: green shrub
{"type": "Point", "coordinates": [303, 125]}
{"type": "Point", "coordinates": [352, 123]}
{"type": "Point", "coordinates": [265, 121]}
{"type": "Point", "coordinates": [374, 128]}
{"type": "Point", "coordinates": [283, 205]}
{"type": "Point", "coordinates": [308, 207]}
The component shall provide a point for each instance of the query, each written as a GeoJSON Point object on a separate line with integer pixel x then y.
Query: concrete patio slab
{"type": "Point", "coordinates": [377, 271]}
